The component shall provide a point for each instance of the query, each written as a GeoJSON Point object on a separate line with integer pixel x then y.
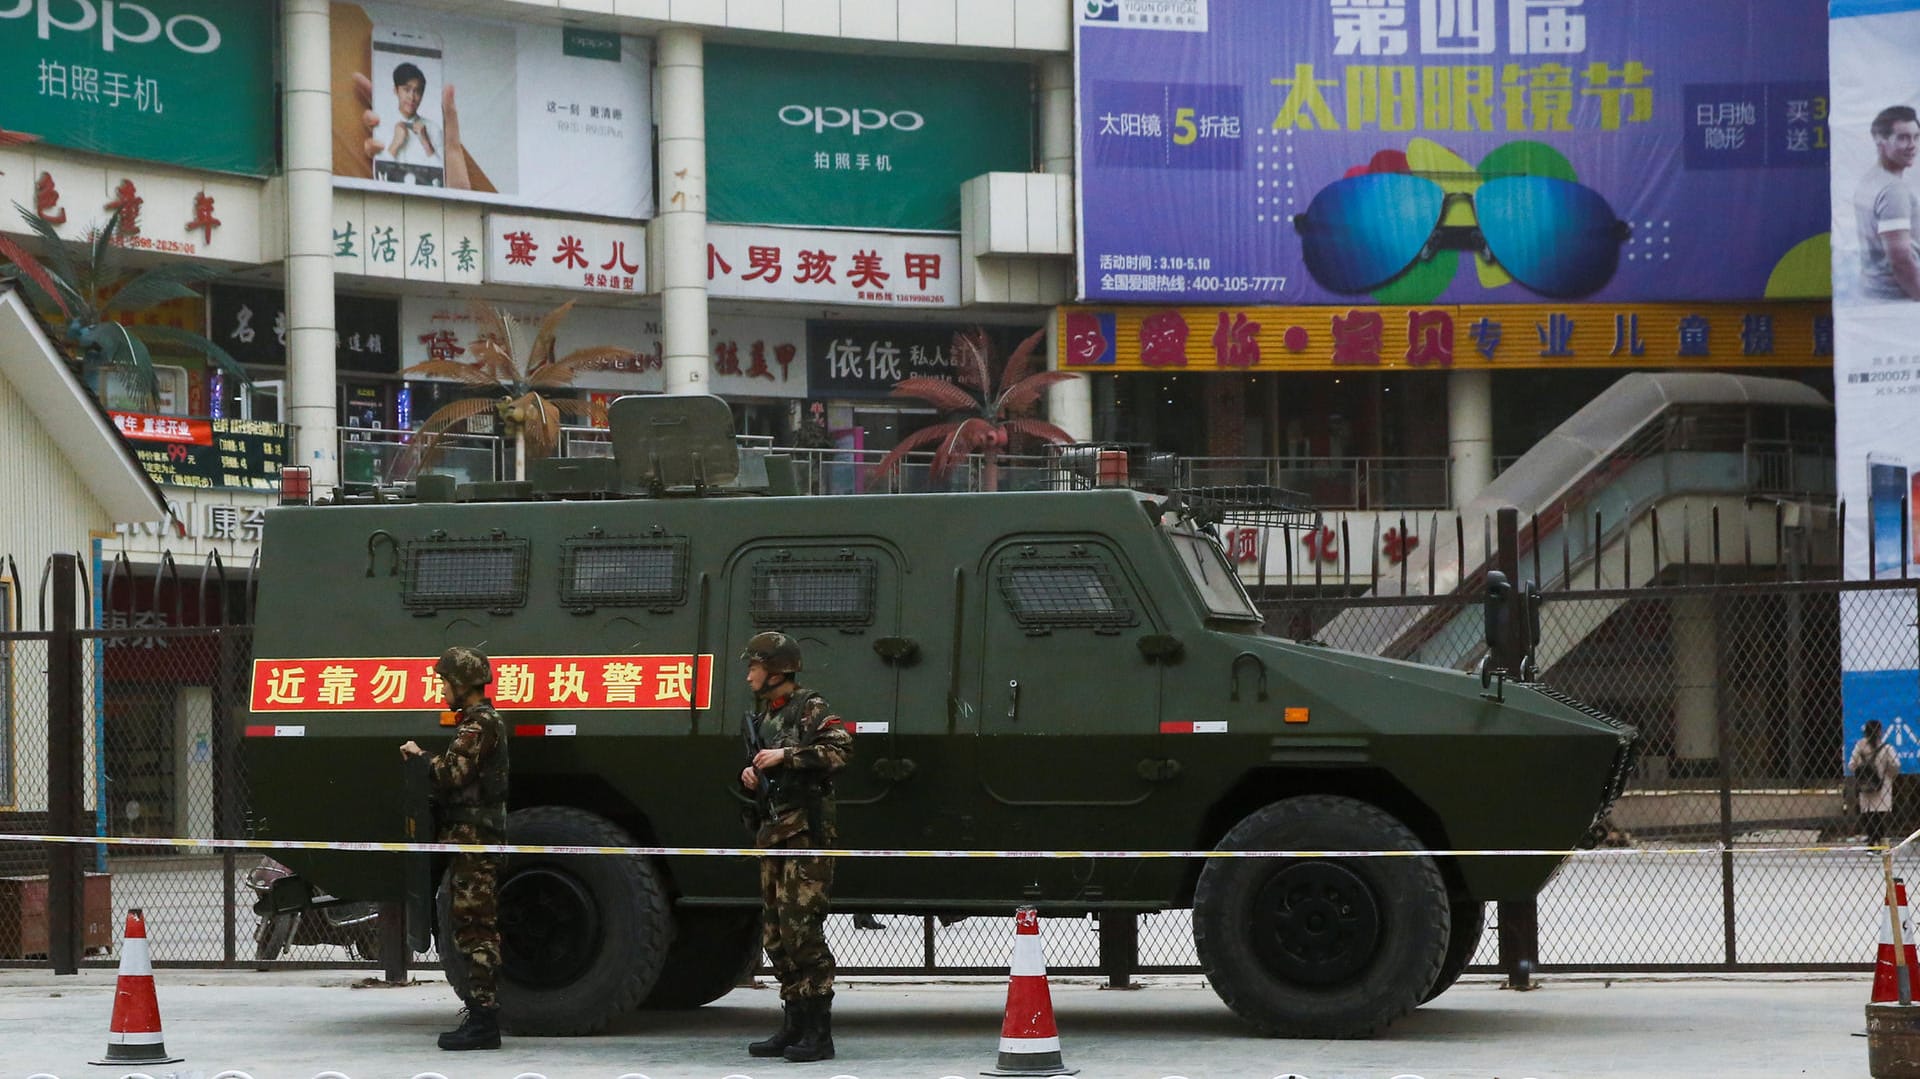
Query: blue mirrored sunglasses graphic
{"type": "Point", "coordinates": [1556, 237]}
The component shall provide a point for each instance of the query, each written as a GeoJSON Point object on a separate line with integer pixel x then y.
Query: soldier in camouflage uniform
{"type": "Point", "coordinates": [470, 796]}
{"type": "Point", "coordinates": [797, 746]}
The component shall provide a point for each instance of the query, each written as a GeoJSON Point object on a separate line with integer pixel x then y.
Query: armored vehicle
{"type": "Point", "coordinates": [1069, 670]}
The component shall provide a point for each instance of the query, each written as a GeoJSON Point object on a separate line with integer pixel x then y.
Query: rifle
{"type": "Point", "coordinates": [762, 791]}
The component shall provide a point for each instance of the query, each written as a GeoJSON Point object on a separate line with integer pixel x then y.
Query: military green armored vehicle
{"type": "Point", "coordinates": [1051, 670]}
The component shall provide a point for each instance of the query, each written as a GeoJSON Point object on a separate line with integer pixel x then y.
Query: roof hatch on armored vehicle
{"type": "Point", "coordinates": [438, 573]}
{"type": "Point", "coordinates": [623, 571]}
{"type": "Point", "coordinates": [814, 592]}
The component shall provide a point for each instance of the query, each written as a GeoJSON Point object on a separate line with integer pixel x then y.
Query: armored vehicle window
{"type": "Point", "coordinates": [1056, 592]}
{"type": "Point", "coordinates": [623, 571]}
{"type": "Point", "coordinates": [437, 574]}
{"type": "Point", "coordinates": [1219, 586]}
{"type": "Point", "coordinates": [823, 593]}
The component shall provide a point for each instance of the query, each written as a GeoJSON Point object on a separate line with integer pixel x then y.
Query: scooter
{"type": "Point", "coordinates": [322, 919]}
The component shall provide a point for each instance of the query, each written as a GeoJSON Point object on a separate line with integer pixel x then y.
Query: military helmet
{"type": "Point", "coordinates": [463, 666]}
{"type": "Point", "coordinates": [778, 652]}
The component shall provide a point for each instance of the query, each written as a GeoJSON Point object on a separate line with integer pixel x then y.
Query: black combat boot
{"type": "Point", "coordinates": [789, 1032]}
{"type": "Point", "coordinates": [479, 1029]}
{"type": "Point", "coordinates": [816, 1032]}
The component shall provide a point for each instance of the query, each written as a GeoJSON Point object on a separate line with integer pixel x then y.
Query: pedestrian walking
{"type": "Point", "coordinates": [795, 746]}
{"type": "Point", "coordinates": [1874, 764]}
{"type": "Point", "coordinates": [470, 806]}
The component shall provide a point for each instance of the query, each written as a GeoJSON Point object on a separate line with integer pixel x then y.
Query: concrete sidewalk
{"type": "Point", "coordinates": [295, 1025]}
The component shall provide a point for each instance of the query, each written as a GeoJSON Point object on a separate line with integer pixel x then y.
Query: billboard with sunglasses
{"type": "Point", "coordinates": [1466, 151]}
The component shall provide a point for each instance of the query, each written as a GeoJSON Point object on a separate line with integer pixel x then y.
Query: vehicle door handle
{"type": "Point", "coordinates": [1013, 698]}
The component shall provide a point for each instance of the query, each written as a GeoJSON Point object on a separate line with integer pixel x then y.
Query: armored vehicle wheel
{"type": "Point", "coordinates": [1469, 917]}
{"type": "Point", "coordinates": [1320, 948]}
{"type": "Point", "coordinates": [713, 950]}
{"type": "Point", "coordinates": [582, 938]}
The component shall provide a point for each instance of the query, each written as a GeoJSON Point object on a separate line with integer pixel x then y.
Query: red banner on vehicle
{"type": "Point", "coordinates": [568, 683]}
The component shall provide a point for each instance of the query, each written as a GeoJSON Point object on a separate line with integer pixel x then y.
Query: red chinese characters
{"type": "Point", "coordinates": [203, 218]}
{"type": "Point", "coordinates": [520, 248]}
{"type": "Point", "coordinates": [763, 264]}
{"type": "Point", "coordinates": [1398, 545]}
{"type": "Point", "coordinates": [1322, 544]}
{"type": "Point", "coordinates": [572, 253]}
{"type": "Point", "coordinates": [921, 266]}
{"type": "Point", "coordinates": [127, 202]}
{"type": "Point", "coordinates": [1236, 343]}
{"type": "Point", "coordinates": [1430, 339]}
{"type": "Point", "coordinates": [1357, 338]}
{"type": "Point", "coordinates": [577, 683]}
{"type": "Point", "coordinates": [1244, 545]}
{"type": "Point", "coordinates": [1163, 339]}
{"type": "Point", "coordinates": [867, 272]}
{"type": "Point", "coordinates": [46, 200]}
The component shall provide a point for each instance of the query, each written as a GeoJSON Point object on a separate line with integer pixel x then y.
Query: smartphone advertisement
{"type": "Point", "coordinates": [1876, 365]}
{"type": "Point", "coordinates": [554, 117]}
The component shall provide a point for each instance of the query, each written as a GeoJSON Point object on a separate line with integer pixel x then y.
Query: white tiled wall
{"type": "Point", "coordinates": [1016, 239]}
{"type": "Point", "coordinates": [1031, 25]}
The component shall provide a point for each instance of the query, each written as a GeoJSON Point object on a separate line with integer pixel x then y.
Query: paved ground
{"type": "Point", "coordinates": [297, 1024]}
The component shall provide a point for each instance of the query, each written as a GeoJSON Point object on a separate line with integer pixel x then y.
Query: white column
{"type": "Point", "coordinates": [1469, 433]}
{"type": "Point", "coordinates": [1696, 663]}
{"type": "Point", "coordinates": [683, 210]}
{"type": "Point", "coordinates": [1070, 403]}
{"type": "Point", "coordinates": [309, 266]}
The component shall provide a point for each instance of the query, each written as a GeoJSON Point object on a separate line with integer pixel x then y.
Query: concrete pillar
{"type": "Point", "coordinates": [682, 222]}
{"type": "Point", "coordinates": [1070, 403]}
{"type": "Point", "coordinates": [1696, 665]}
{"type": "Point", "coordinates": [309, 264]}
{"type": "Point", "coordinates": [1056, 115]}
{"type": "Point", "coordinates": [1469, 433]}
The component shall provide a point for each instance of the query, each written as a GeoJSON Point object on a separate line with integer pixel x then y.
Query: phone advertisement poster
{"type": "Point", "coordinates": [1875, 200]}
{"type": "Point", "coordinates": [1465, 151]}
{"type": "Point", "coordinates": [558, 118]}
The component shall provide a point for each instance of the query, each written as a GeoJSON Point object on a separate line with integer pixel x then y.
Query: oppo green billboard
{"type": "Point", "coordinates": [857, 141]}
{"type": "Point", "coordinates": [189, 82]}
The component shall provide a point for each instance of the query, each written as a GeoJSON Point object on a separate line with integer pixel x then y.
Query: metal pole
{"type": "Point", "coordinates": [1519, 918]}
{"type": "Point", "coordinates": [64, 780]}
{"type": "Point", "coordinates": [1119, 947]}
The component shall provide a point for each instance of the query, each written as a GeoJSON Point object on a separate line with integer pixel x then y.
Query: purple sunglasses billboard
{"type": "Point", "coordinates": [1464, 151]}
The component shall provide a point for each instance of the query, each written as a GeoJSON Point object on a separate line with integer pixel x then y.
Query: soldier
{"type": "Point", "coordinates": [796, 747]}
{"type": "Point", "coordinates": [470, 796]}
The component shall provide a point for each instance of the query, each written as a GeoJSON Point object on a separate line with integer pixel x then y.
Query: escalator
{"type": "Point", "coordinates": [1658, 471]}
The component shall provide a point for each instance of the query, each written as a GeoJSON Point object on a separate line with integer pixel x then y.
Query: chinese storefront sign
{"type": "Point", "coordinates": [207, 217]}
{"type": "Point", "coordinates": [583, 255]}
{"type": "Point", "coordinates": [188, 82]}
{"type": "Point", "coordinates": [1876, 370]}
{"type": "Point", "coordinates": [751, 356]}
{"type": "Point", "coordinates": [826, 266]}
{"type": "Point", "coordinates": [1254, 339]}
{"type": "Point", "coordinates": [865, 359]}
{"type": "Point", "coordinates": [857, 140]}
{"type": "Point", "coordinates": [251, 324]}
{"type": "Point", "coordinates": [1460, 151]}
{"type": "Point", "coordinates": [509, 114]}
{"type": "Point", "coordinates": [571, 683]}
{"type": "Point", "coordinates": [180, 452]}
{"type": "Point", "coordinates": [409, 239]}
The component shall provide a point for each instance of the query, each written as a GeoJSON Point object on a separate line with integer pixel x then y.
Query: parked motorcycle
{"type": "Point", "coordinates": [351, 924]}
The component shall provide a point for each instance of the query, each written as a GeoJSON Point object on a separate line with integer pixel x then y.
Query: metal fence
{"type": "Point", "coordinates": [1735, 689]}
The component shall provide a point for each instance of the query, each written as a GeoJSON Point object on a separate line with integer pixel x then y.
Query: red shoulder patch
{"type": "Point", "coordinates": [834, 721]}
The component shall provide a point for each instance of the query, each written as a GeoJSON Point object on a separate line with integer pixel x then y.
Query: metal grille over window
{"type": "Point", "coordinates": [623, 571]}
{"type": "Point", "coordinates": [823, 593]}
{"type": "Point", "coordinates": [1048, 593]}
{"type": "Point", "coordinates": [440, 574]}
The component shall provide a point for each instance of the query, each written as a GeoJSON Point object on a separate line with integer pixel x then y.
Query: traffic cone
{"type": "Point", "coordinates": [133, 1037]}
{"type": "Point", "coordinates": [1886, 973]}
{"type": "Point", "coordinates": [1029, 1042]}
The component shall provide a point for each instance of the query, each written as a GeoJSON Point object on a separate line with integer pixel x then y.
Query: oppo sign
{"type": "Point", "coordinates": [824, 118]}
{"type": "Point", "coordinates": [122, 21]}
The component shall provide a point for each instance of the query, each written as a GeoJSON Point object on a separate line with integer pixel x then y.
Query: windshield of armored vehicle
{"type": "Point", "coordinates": [1206, 565]}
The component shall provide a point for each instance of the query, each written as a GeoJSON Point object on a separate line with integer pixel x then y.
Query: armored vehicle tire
{"type": "Point", "coordinates": [1320, 948]}
{"type": "Point", "coordinates": [1469, 918]}
{"type": "Point", "coordinates": [713, 950]}
{"type": "Point", "coordinates": [582, 937]}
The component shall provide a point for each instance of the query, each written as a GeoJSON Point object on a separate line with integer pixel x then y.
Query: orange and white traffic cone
{"type": "Point", "coordinates": [1886, 970]}
{"type": "Point", "coordinates": [134, 1037]}
{"type": "Point", "coordinates": [1029, 1042]}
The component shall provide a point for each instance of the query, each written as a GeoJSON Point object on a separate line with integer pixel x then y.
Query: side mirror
{"type": "Point", "coordinates": [1499, 617]}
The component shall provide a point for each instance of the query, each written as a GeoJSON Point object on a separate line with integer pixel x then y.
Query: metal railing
{"type": "Point", "coordinates": [370, 455]}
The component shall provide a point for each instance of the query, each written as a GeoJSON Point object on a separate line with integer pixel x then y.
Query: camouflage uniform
{"type": "Point", "coordinates": [470, 785]}
{"type": "Point", "coordinates": [794, 890]}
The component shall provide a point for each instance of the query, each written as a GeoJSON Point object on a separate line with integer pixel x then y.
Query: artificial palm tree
{"type": "Point", "coordinates": [977, 417]}
{"type": "Point", "coordinates": [529, 417]}
{"type": "Point", "coordinates": [92, 298]}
